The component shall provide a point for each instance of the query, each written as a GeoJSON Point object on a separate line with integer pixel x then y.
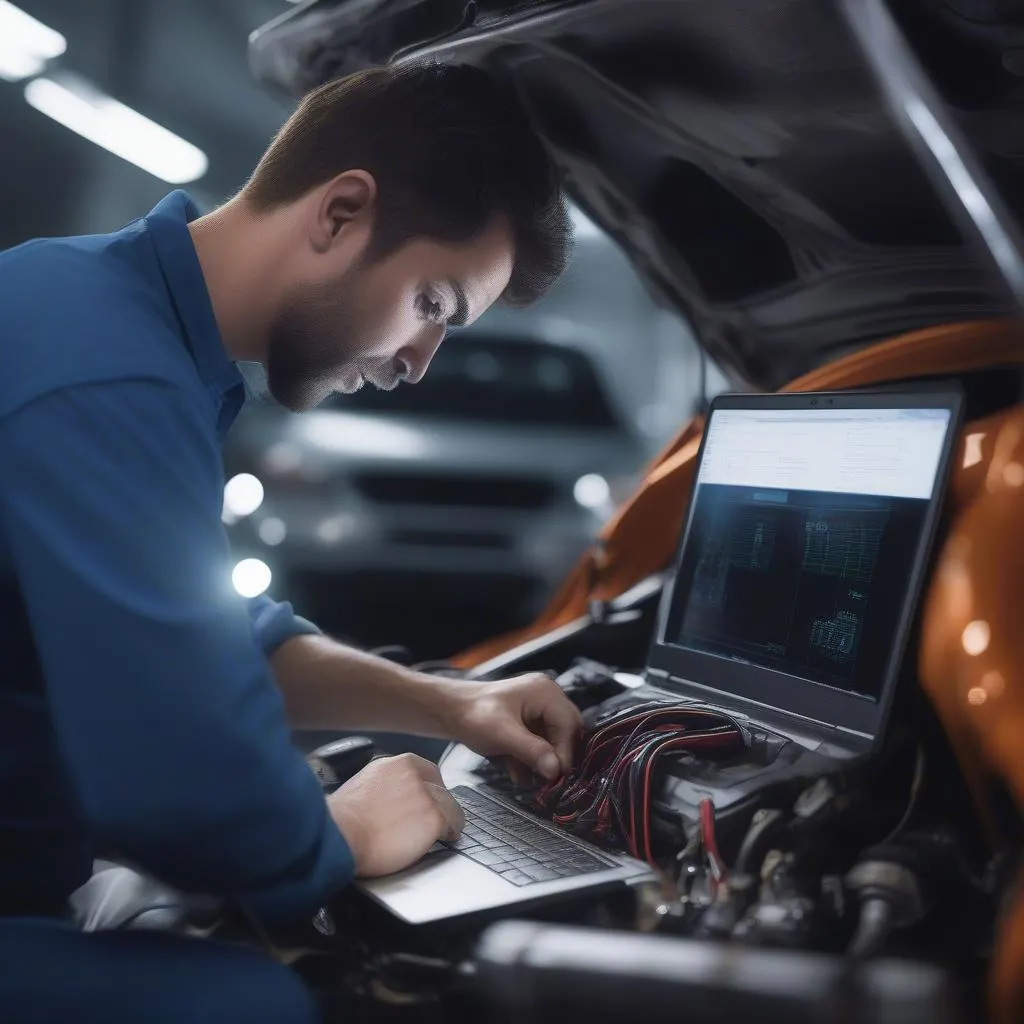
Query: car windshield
{"type": "Point", "coordinates": [498, 380]}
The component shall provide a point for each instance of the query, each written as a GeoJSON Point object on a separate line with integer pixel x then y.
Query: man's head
{"type": "Point", "coordinates": [418, 196]}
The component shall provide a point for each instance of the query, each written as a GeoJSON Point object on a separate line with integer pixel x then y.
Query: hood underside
{"type": "Point", "coordinates": [738, 150]}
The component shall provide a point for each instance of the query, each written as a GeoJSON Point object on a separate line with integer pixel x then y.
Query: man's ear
{"type": "Point", "coordinates": [345, 201]}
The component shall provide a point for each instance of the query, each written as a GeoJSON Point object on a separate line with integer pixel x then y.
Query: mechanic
{"type": "Point", "coordinates": [145, 710]}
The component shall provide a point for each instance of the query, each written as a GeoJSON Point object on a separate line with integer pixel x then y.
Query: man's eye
{"type": "Point", "coordinates": [431, 309]}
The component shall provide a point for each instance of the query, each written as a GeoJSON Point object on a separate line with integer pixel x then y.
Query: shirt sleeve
{"type": "Point", "coordinates": [166, 713]}
{"type": "Point", "coordinates": [276, 621]}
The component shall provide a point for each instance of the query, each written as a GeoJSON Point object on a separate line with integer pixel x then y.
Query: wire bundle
{"type": "Point", "coordinates": [609, 794]}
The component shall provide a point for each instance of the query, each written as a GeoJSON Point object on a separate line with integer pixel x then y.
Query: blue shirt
{"type": "Point", "coordinates": [138, 714]}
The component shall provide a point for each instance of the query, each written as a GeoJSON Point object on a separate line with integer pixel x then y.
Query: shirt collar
{"type": "Point", "coordinates": [168, 223]}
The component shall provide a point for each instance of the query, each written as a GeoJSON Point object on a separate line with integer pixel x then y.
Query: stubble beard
{"type": "Point", "coordinates": [309, 357]}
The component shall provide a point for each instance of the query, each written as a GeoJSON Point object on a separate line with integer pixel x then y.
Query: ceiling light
{"type": "Point", "coordinates": [17, 64]}
{"type": "Point", "coordinates": [83, 108]}
{"type": "Point", "coordinates": [25, 44]}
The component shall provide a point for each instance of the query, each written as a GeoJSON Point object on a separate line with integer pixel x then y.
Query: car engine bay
{"type": "Point", "coordinates": [868, 894]}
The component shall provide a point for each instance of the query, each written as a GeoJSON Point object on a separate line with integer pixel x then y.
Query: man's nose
{"type": "Point", "coordinates": [417, 356]}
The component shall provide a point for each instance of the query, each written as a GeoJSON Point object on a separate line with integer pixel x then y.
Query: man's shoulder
{"type": "Point", "coordinates": [84, 310]}
{"type": "Point", "coordinates": [53, 281]}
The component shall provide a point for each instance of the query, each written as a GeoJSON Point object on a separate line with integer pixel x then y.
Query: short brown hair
{"type": "Point", "coordinates": [449, 148]}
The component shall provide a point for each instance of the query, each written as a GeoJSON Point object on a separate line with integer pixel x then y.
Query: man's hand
{"type": "Point", "coordinates": [392, 812]}
{"type": "Point", "coordinates": [527, 718]}
{"type": "Point", "coordinates": [329, 686]}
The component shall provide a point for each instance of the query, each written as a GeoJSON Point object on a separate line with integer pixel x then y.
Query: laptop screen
{"type": "Point", "coordinates": [805, 529]}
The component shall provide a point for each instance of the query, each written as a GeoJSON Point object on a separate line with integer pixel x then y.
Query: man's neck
{"type": "Point", "coordinates": [236, 256]}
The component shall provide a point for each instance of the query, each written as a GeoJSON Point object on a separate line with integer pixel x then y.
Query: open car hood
{"type": "Point", "coordinates": [738, 150]}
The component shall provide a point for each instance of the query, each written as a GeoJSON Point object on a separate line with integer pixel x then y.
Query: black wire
{"type": "Point", "coordinates": [916, 783]}
{"type": "Point", "coordinates": [438, 666]}
{"type": "Point", "coordinates": [620, 815]}
{"type": "Point", "coordinates": [873, 928]}
{"type": "Point", "coordinates": [621, 770]}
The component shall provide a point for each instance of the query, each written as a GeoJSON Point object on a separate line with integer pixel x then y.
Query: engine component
{"type": "Point", "coordinates": [526, 972]}
{"type": "Point", "coordinates": [890, 897]}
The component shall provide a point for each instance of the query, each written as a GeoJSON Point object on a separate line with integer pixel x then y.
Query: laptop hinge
{"type": "Point", "coordinates": [765, 715]}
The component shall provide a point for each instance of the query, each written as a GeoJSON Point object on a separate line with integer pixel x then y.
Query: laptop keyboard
{"type": "Point", "coordinates": [512, 846]}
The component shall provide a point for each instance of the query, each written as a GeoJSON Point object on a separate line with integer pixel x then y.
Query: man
{"type": "Point", "coordinates": [139, 715]}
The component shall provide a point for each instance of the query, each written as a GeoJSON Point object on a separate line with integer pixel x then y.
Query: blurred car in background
{"type": "Point", "coordinates": [480, 487]}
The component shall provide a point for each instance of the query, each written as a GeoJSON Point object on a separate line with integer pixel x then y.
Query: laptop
{"type": "Point", "coordinates": [796, 581]}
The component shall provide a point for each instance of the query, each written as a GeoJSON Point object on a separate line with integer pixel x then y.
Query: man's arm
{"type": "Point", "coordinates": [327, 685]}
{"type": "Point", "coordinates": [165, 711]}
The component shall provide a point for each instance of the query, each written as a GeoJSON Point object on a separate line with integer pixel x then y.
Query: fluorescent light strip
{"type": "Point", "coordinates": [25, 44]}
{"type": "Point", "coordinates": [74, 103]}
{"type": "Point", "coordinates": [18, 64]}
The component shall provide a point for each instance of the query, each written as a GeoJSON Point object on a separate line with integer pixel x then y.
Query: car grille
{"type": "Point", "coordinates": [466, 491]}
{"type": "Point", "coordinates": [452, 539]}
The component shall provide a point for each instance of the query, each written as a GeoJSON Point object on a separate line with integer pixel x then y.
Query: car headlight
{"type": "Point", "coordinates": [592, 491]}
{"type": "Point", "coordinates": [272, 531]}
{"type": "Point", "coordinates": [602, 495]}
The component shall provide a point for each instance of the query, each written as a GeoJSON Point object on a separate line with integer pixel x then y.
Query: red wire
{"type": "Point", "coordinates": [684, 742]}
{"type": "Point", "coordinates": [707, 828]}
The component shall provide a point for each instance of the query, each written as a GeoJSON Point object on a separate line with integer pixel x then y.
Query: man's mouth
{"type": "Point", "coordinates": [349, 385]}
{"type": "Point", "coordinates": [381, 385]}
{"type": "Point", "coordinates": [355, 380]}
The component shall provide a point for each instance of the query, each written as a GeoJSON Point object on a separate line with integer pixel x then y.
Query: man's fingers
{"type": "Point", "coordinates": [454, 817]}
{"type": "Point", "coordinates": [563, 740]}
{"type": "Point", "coordinates": [549, 764]}
{"type": "Point", "coordinates": [532, 750]}
{"type": "Point", "coordinates": [545, 736]}
{"type": "Point", "coordinates": [562, 723]}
